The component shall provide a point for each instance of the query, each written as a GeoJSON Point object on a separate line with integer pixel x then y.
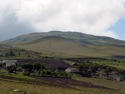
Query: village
{"type": "Point", "coordinates": [60, 68]}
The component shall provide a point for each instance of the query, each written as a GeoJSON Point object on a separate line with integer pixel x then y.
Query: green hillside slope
{"type": "Point", "coordinates": [57, 43]}
{"type": "Point", "coordinates": [58, 46]}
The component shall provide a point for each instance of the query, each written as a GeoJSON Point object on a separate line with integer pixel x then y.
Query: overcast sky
{"type": "Point", "coordinates": [97, 17]}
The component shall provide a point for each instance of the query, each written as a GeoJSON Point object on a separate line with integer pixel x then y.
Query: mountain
{"type": "Point", "coordinates": [75, 36]}
{"type": "Point", "coordinates": [57, 43]}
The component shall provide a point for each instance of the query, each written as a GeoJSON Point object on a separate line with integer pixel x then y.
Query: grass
{"type": "Point", "coordinates": [119, 65]}
{"type": "Point", "coordinates": [7, 86]}
{"type": "Point", "coordinates": [59, 47]}
{"type": "Point", "coordinates": [19, 75]}
{"type": "Point", "coordinates": [118, 85]}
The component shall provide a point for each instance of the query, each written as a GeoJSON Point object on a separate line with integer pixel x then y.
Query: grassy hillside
{"type": "Point", "coordinates": [58, 46]}
{"type": "Point", "coordinates": [12, 52]}
{"type": "Point", "coordinates": [73, 44]}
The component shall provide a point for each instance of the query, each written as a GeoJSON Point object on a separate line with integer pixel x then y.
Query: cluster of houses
{"type": "Point", "coordinates": [49, 64]}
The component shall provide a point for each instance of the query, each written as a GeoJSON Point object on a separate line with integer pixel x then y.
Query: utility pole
{"type": "Point", "coordinates": [51, 51]}
{"type": "Point", "coordinates": [50, 44]}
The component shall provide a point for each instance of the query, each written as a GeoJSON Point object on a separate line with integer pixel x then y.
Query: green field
{"type": "Point", "coordinates": [119, 65]}
{"type": "Point", "coordinates": [29, 85]}
{"type": "Point", "coordinates": [117, 85]}
{"type": "Point", "coordinates": [8, 87]}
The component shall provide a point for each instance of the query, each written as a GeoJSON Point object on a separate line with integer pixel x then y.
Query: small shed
{"type": "Point", "coordinates": [72, 70]}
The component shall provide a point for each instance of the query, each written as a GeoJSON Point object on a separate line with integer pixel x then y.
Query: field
{"type": "Point", "coordinates": [116, 64]}
{"type": "Point", "coordinates": [28, 85]}
{"type": "Point", "coordinates": [8, 87]}
{"type": "Point", "coordinates": [117, 85]}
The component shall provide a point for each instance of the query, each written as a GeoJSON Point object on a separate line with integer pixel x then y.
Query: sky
{"type": "Point", "coordinates": [96, 17]}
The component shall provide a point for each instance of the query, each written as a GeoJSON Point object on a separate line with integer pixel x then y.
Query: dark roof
{"type": "Point", "coordinates": [49, 63]}
{"type": "Point", "coordinates": [55, 64]}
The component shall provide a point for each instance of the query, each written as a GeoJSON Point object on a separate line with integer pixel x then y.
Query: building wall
{"type": "Point", "coordinates": [9, 62]}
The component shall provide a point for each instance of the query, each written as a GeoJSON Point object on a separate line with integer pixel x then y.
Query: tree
{"type": "Point", "coordinates": [93, 67]}
{"type": "Point", "coordinates": [11, 53]}
{"type": "Point", "coordinates": [28, 68]}
{"type": "Point", "coordinates": [108, 70]}
{"type": "Point", "coordinates": [38, 66]}
{"type": "Point", "coordinates": [6, 54]}
{"type": "Point", "coordinates": [11, 69]}
{"type": "Point", "coordinates": [80, 67]}
{"type": "Point", "coordinates": [83, 68]}
{"type": "Point", "coordinates": [88, 68]}
{"type": "Point", "coordinates": [19, 53]}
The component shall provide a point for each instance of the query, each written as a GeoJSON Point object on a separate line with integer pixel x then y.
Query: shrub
{"type": "Point", "coordinates": [38, 66]}
{"type": "Point", "coordinates": [28, 68]}
{"type": "Point", "coordinates": [11, 69]}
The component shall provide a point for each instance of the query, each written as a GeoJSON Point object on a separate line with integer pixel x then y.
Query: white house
{"type": "Point", "coordinates": [9, 62]}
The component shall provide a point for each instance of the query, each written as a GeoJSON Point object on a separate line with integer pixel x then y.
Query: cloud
{"type": "Point", "coordinates": [87, 16]}
{"type": "Point", "coordinates": [9, 27]}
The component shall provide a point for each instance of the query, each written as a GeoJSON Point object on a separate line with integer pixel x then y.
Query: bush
{"type": "Point", "coordinates": [49, 73]}
{"type": "Point", "coordinates": [108, 70]}
{"type": "Point", "coordinates": [28, 68]}
{"type": "Point", "coordinates": [38, 69]}
{"type": "Point", "coordinates": [88, 68]}
{"type": "Point", "coordinates": [38, 66]}
{"type": "Point", "coordinates": [11, 69]}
